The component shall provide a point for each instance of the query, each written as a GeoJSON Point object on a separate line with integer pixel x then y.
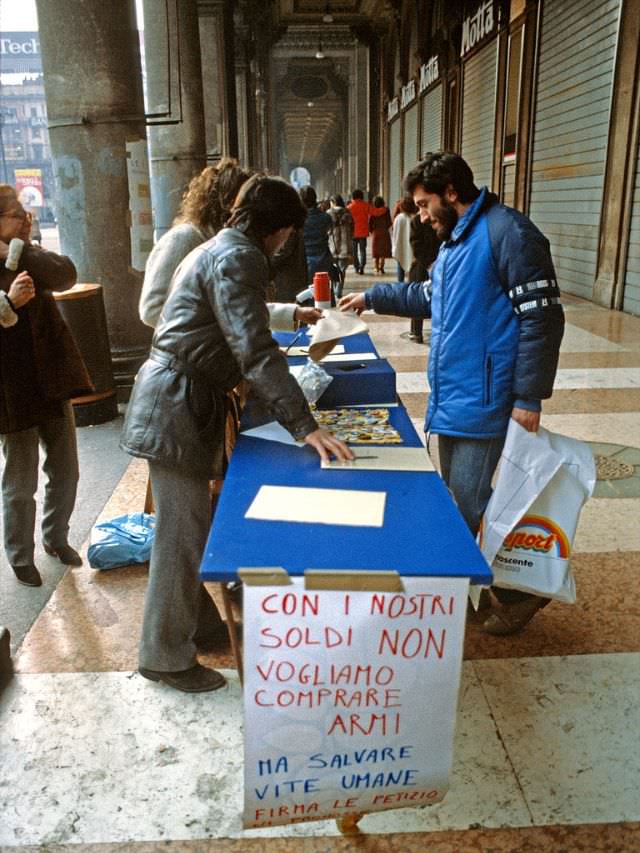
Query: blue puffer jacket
{"type": "Point", "coordinates": [497, 322]}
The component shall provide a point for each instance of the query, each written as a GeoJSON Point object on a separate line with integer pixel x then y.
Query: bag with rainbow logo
{"type": "Point", "coordinates": [527, 532]}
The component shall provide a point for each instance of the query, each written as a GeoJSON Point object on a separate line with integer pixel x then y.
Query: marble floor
{"type": "Point", "coordinates": [547, 753]}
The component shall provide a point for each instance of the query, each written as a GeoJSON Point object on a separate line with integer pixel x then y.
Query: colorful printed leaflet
{"type": "Point", "coordinates": [359, 426]}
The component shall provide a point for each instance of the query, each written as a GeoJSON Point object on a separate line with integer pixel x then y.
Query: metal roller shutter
{"type": "Point", "coordinates": [577, 52]}
{"type": "Point", "coordinates": [432, 121]}
{"type": "Point", "coordinates": [410, 140]}
{"type": "Point", "coordinates": [479, 112]}
{"type": "Point", "coordinates": [394, 162]}
{"type": "Point", "coordinates": [631, 301]}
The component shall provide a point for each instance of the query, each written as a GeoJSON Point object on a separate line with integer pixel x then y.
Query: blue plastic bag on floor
{"type": "Point", "coordinates": [122, 541]}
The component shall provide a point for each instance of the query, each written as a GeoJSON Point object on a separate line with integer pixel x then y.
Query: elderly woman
{"type": "Point", "coordinates": [41, 371]}
{"type": "Point", "coordinates": [213, 332]}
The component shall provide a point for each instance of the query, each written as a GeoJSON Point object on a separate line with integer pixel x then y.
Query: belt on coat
{"type": "Point", "coordinates": [167, 359]}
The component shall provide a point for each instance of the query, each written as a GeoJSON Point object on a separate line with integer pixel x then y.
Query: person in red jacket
{"type": "Point", "coordinates": [379, 225]}
{"type": "Point", "coordinates": [360, 211]}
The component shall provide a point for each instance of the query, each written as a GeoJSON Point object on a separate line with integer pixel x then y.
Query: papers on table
{"type": "Point", "coordinates": [328, 331]}
{"type": "Point", "coordinates": [350, 507]}
{"type": "Point", "coordinates": [385, 459]}
{"type": "Point", "coordinates": [273, 431]}
{"type": "Point", "coordinates": [350, 356]}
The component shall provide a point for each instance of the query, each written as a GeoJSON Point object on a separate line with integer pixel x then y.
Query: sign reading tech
{"type": "Point", "coordinates": [20, 52]}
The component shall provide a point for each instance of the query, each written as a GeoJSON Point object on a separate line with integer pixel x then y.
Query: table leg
{"type": "Point", "coordinates": [232, 628]}
{"type": "Point", "coordinates": [348, 825]}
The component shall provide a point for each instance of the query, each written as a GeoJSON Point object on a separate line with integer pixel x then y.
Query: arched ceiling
{"type": "Point", "coordinates": [312, 66]}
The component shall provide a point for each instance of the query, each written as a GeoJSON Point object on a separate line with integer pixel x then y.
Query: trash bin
{"type": "Point", "coordinates": [82, 307]}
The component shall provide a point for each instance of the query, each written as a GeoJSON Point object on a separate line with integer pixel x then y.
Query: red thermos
{"type": "Point", "coordinates": [321, 290]}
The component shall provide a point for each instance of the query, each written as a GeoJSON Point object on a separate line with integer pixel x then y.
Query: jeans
{"type": "Point", "coordinates": [359, 253]}
{"type": "Point", "coordinates": [338, 285]}
{"type": "Point", "coordinates": [467, 466]}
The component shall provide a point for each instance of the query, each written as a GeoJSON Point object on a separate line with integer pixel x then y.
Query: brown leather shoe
{"type": "Point", "coordinates": [197, 679]}
{"type": "Point", "coordinates": [65, 553]}
{"type": "Point", "coordinates": [512, 618]}
{"type": "Point", "coordinates": [27, 575]}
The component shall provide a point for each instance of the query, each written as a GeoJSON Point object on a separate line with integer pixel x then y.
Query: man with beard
{"type": "Point", "coordinates": [496, 328]}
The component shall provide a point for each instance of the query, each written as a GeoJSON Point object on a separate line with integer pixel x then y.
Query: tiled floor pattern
{"type": "Point", "coordinates": [547, 755]}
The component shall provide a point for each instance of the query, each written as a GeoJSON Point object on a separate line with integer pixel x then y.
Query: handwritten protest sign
{"type": "Point", "coordinates": [349, 698]}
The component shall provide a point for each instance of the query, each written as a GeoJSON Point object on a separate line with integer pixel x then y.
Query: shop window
{"type": "Point", "coordinates": [511, 113]}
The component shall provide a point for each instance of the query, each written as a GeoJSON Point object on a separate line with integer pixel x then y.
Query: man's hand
{"type": "Point", "coordinates": [529, 420]}
{"type": "Point", "coordinates": [4, 250]}
{"type": "Point", "coordinates": [307, 316]}
{"type": "Point", "coordinates": [22, 290]}
{"type": "Point", "coordinates": [327, 445]}
{"type": "Point", "coordinates": [353, 302]}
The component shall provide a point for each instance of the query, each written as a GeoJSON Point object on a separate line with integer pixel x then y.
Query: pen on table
{"type": "Point", "coordinates": [296, 337]}
{"type": "Point", "coordinates": [356, 457]}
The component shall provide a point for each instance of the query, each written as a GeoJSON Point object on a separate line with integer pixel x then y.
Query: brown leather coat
{"type": "Point", "coordinates": [214, 330]}
{"type": "Point", "coordinates": [40, 364]}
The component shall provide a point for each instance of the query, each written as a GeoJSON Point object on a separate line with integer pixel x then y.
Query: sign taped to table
{"type": "Point", "coordinates": [349, 698]}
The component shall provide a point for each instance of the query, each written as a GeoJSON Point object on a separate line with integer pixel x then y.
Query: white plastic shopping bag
{"type": "Point", "coordinates": [527, 533]}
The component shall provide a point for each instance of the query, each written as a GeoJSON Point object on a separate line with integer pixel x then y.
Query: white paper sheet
{"type": "Point", "coordinates": [333, 326]}
{"type": "Point", "coordinates": [350, 507]}
{"type": "Point", "coordinates": [273, 431]}
{"type": "Point", "coordinates": [349, 356]}
{"type": "Point", "coordinates": [385, 459]}
{"type": "Point", "coordinates": [411, 639]}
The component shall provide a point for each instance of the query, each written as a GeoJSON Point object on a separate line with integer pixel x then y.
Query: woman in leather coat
{"type": "Point", "coordinates": [213, 332]}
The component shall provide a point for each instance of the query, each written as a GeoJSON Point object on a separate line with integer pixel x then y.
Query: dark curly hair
{"type": "Point", "coordinates": [265, 204]}
{"type": "Point", "coordinates": [210, 195]}
{"type": "Point", "coordinates": [440, 170]}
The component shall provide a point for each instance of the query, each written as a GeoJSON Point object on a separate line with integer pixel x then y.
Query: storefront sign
{"type": "Point", "coordinates": [408, 94]}
{"type": "Point", "coordinates": [393, 108]}
{"type": "Point", "coordinates": [478, 26]}
{"type": "Point", "coordinates": [429, 73]}
{"type": "Point", "coordinates": [349, 698]}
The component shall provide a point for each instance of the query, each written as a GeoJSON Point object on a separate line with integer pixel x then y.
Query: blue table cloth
{"type": "Point", "coordinates": [423, 533]}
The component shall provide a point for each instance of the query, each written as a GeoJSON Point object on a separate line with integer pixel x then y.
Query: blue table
{"type": "Point", "coordinates": [423, 533]}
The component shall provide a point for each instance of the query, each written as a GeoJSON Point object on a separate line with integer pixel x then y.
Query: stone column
{"type": "Point", "coordinates": [93, 87]}
{"type": "Point", "coordinates": [174, 86]}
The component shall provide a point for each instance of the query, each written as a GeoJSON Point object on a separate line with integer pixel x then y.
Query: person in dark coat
{"type": "Point", "coordinates": [317, 228]}
{"type": "Point", "coordinates": [379, 225]}
{"type": "Point", "coordinates": [213, 332]}
{"type": "Point", "coordinates": [425, 244]}
{"type": "Point", "coordinates": [289, 266]}
{"type": "Point", "coordinates": [42, 370]}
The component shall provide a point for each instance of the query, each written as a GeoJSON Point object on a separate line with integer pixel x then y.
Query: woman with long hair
{"type": "Point", "coordinates": [203, 211]}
